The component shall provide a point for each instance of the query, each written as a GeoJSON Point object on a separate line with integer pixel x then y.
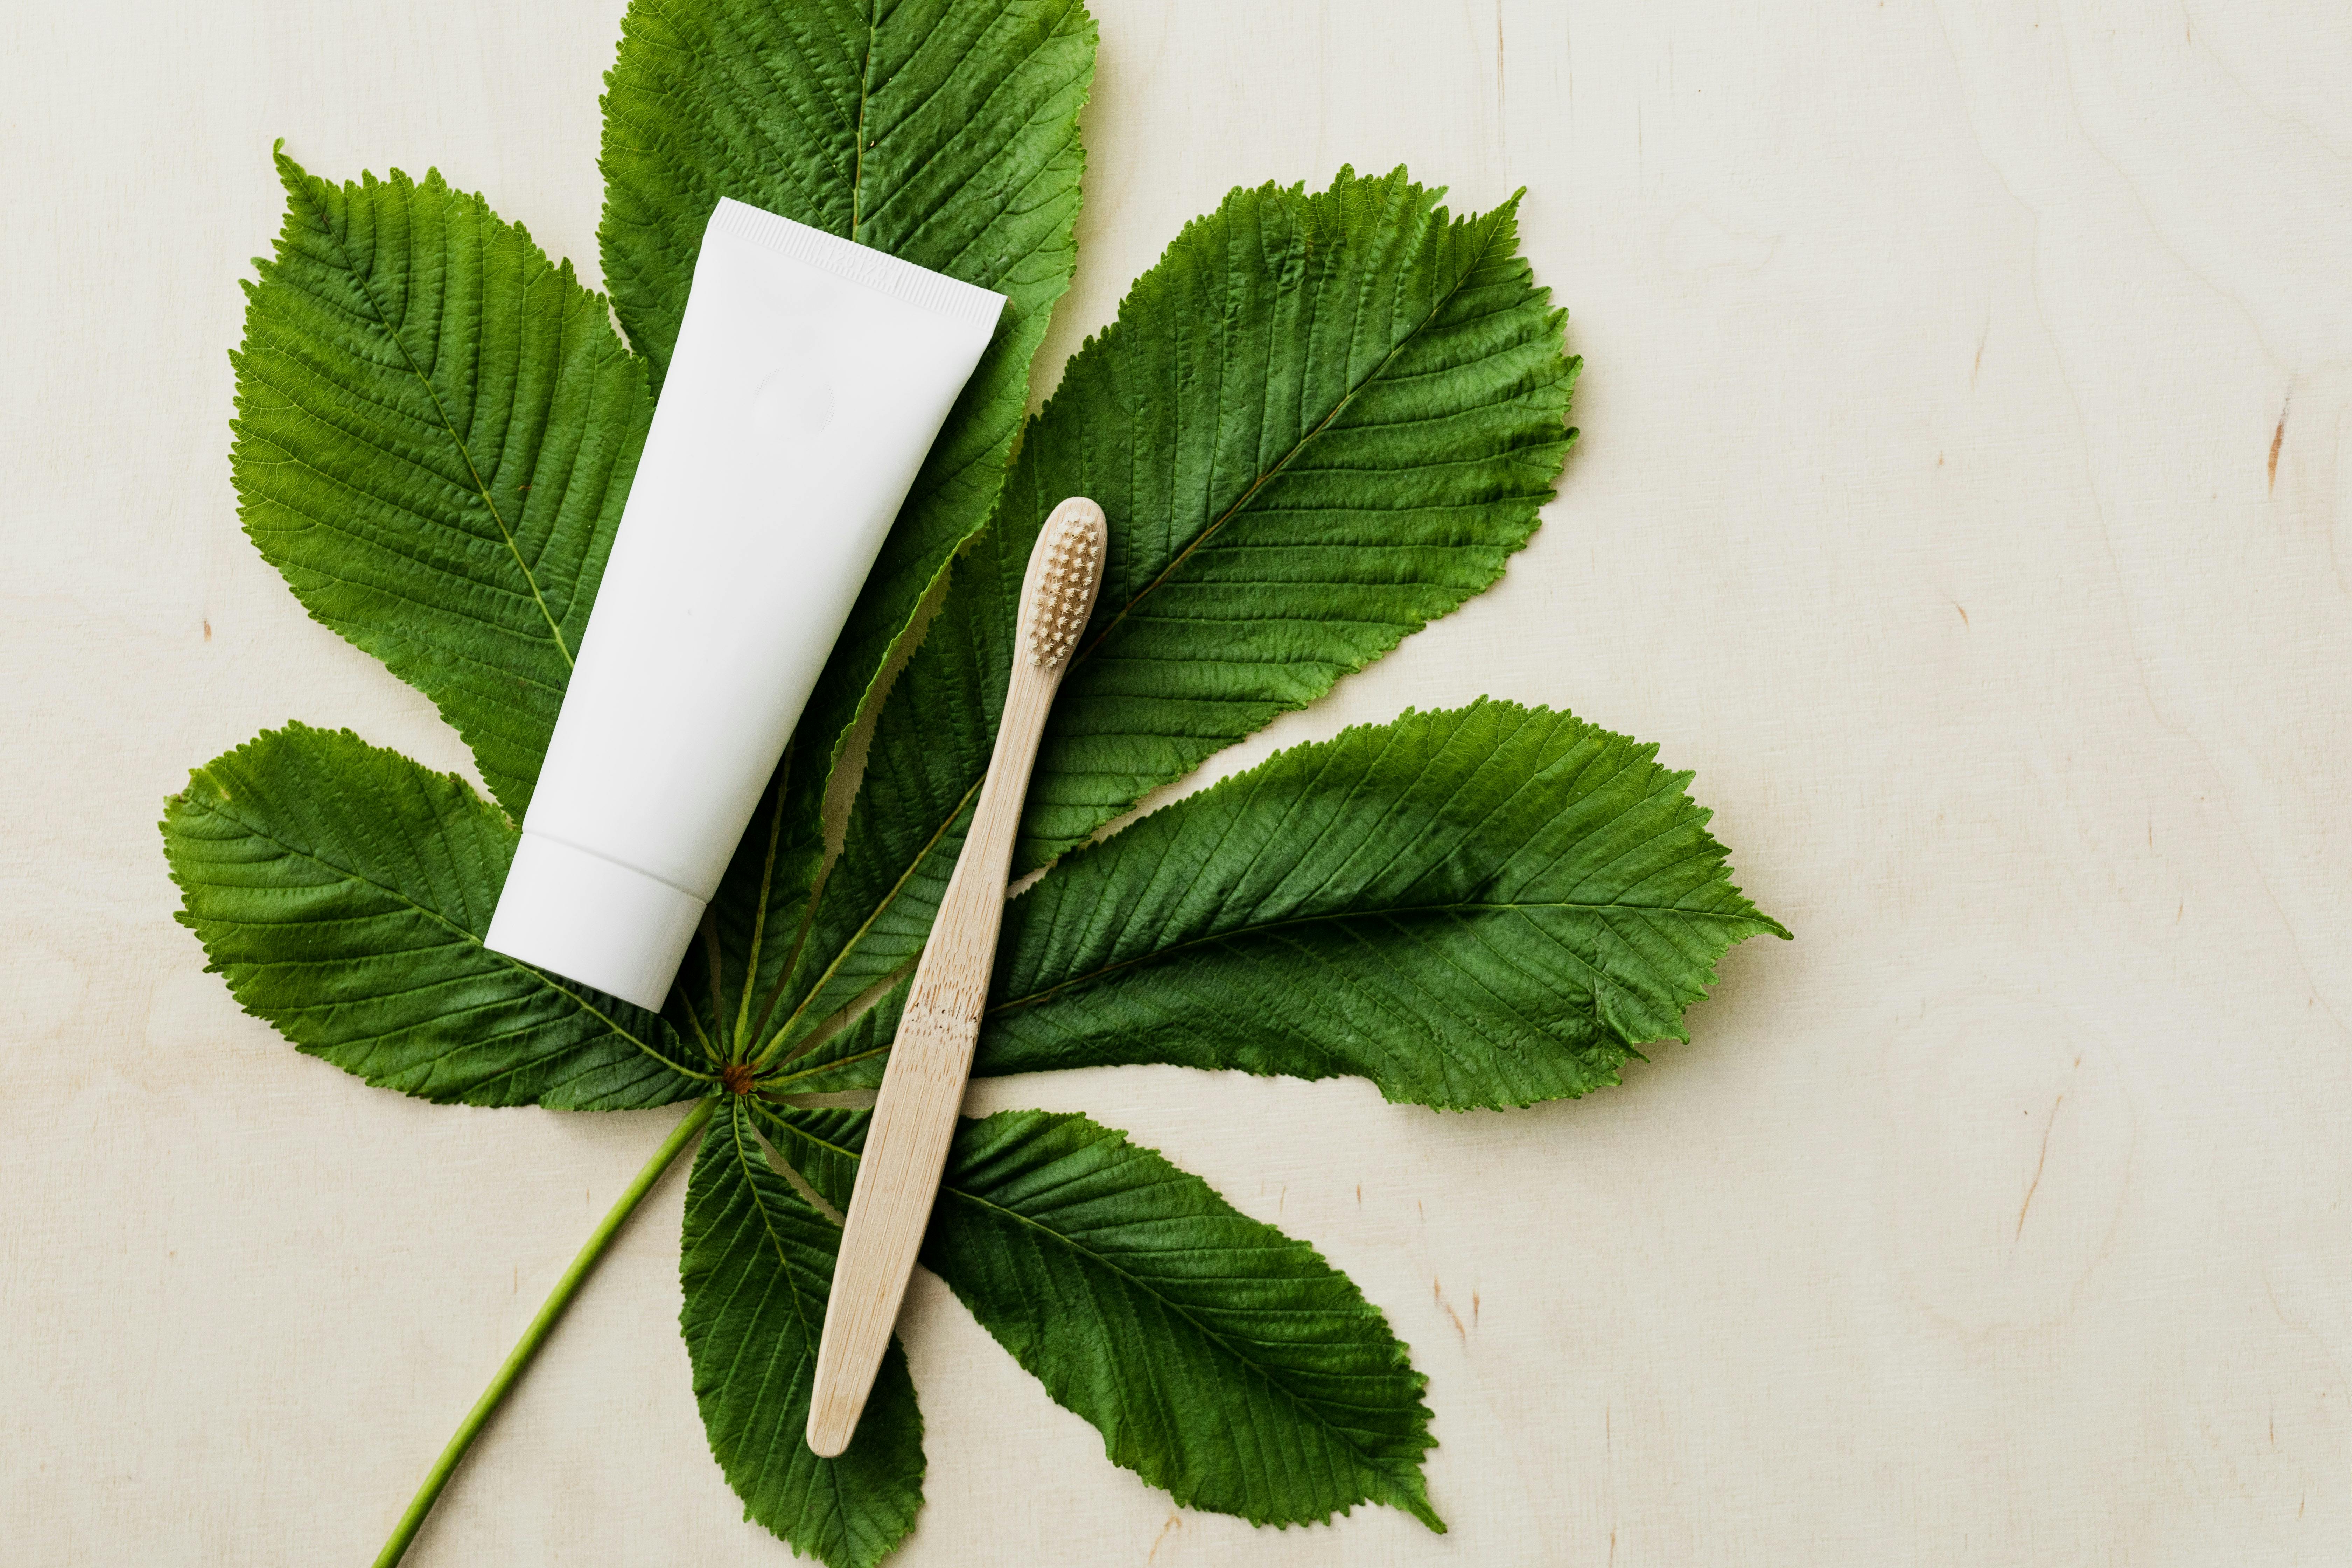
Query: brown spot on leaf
{"type": "Point", "coordinates": [736, 1077]}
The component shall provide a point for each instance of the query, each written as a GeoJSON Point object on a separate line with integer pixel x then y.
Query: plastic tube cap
{"type": "Point", "coordinates": [592, 919]}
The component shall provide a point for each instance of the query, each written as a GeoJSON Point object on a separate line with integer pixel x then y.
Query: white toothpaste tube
{"type": "Point", "coordinates": [811, 377]}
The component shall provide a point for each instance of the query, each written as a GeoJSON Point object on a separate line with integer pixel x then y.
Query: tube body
{"type": "Point", "coordinates": [810, 378]}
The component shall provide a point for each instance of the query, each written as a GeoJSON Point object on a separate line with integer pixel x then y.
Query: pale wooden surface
{"type": "Point", "coordinates": [1938, 357]}
{"type": "Point", "coordinates": [931, 1057]}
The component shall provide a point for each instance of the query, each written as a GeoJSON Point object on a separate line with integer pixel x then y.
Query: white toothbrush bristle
{"type": "Point", "coordinates": [1070, 563]}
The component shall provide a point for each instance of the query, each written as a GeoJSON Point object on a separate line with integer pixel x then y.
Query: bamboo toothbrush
{"type": "Point", "coordinates": [922, 1087]}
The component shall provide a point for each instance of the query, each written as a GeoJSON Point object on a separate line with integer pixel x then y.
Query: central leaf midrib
{"type": "Point", "coordinates": [465, 453]}
{"type": "Point", "coordinates": [1284, 462]}
{"type": "Point", "coordinates": [759, 919]}
{"type": "Point", "coordinates": [865, 94]}
{"type": "Point", "coordinates": [735, 1123]}
{"type": "Point", "coordinates": [397, 897]}
{"type": "Point", "coordinates": [1592, 962]}
{"type": "Point", "coordinates": [1334, 916]}
{"type": "Point", "coordinates": [783, 1276]}
{"type": "Point", "coordinates": [915, 863]}
{"type": "Point", "coordinates": [1263, 1373]}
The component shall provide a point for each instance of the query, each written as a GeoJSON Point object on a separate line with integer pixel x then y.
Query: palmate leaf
{"type": "Point", "coordinates": [756, 1265]}
{"type": "Point", "coordinates": [342, 891]}
{"type": "Point", "coordinates": [943, 131]}
{"type": "Point", "coordinates": [1319, 422]}
{"type": "Point", "coordinates": [1221, 1359]}
{"type": "Point", "coordinates": [436, 427]}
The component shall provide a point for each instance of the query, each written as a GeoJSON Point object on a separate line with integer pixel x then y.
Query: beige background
{"type": "Point", "coordinates": [1963, 493]}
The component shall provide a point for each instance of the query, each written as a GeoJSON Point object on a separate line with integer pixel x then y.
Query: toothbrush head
{"type": "Point", "coordinates": [1065, 572]}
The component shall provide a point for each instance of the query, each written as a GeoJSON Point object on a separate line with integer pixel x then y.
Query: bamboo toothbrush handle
{"type": "Point", "coordinates": [922, 1087]}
